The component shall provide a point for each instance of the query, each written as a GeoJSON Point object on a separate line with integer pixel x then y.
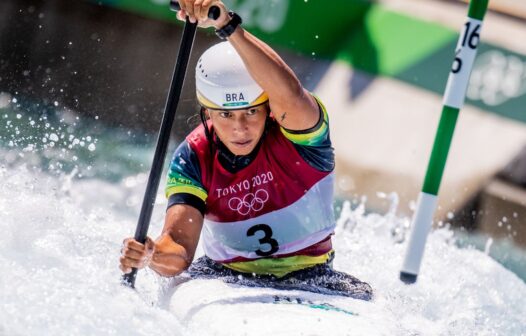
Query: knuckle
{"type": "Point", "coordinates": [124, 262]}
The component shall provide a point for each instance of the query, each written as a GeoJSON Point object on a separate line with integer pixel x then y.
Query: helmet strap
{"type": "Point", "coordinates": [208, 133]}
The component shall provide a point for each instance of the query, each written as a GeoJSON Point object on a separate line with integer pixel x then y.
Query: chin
{"type": "Point", "coordinates": [242, 151]}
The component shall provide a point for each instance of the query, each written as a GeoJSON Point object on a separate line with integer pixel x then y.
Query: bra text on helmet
{"type": "Point", "coordinates": [234, 97]}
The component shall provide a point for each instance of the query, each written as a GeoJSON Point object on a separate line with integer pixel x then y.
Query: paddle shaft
{"type": "Point", "coordinates": [163, 139]}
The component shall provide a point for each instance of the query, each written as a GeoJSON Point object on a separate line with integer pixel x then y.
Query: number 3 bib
{"type": "Point", "coordinates": [275, 206]}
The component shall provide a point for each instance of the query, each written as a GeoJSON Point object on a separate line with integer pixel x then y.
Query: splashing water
{"type": "Point", "coordinates": [59, 255]}
{"type": "Point", "coordinates": [60, 243]}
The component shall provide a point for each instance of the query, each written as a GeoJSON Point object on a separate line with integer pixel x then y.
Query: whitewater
{"type": "Point", "coordinates": [61, 234]}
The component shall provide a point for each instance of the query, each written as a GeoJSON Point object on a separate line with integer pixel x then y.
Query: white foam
{"type": "Point", "coordinates": [59, 251]}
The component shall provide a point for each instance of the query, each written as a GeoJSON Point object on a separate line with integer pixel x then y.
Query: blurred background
{"type": "Point", "coordinates": [83, 86]}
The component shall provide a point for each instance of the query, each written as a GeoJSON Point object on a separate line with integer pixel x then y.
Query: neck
{"type": "Point", "coordinates": [234, 163]}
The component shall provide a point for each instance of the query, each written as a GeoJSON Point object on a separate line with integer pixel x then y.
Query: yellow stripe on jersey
{"type": "Point", "coordinates": [187, 189]}
{"type": "Point", "coordinates": [313, 138]}
{"type": "Point", "coordinates": [278, 267]}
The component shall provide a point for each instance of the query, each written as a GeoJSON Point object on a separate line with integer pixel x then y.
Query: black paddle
{"type": "Point", "coordinates": [172, 101]}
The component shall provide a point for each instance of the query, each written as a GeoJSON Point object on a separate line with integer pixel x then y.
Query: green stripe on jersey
{"type": "Point", "coordinates": [178, 183]}
{"type": "Point", "coordinates": [309, 139]}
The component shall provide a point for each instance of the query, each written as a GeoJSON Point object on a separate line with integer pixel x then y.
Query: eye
{"type": "Point", "coordinates": [225, 114]}
{"type": "Point", "coordinates": [252, 111]}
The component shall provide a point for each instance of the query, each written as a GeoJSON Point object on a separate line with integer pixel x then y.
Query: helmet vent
{"type": "Point", "coordinates": [228, 74]}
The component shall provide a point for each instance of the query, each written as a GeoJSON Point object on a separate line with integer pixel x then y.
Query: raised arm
{"type": "Point", "coordinates": [293, 106]}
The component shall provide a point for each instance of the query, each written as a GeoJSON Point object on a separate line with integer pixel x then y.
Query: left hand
{"type": "Point", "coordinates": [197, 11]}
{"type": "Point", "coordinates": [135, 254]}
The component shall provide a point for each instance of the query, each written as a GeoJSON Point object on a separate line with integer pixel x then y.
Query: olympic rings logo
{"type": "Point", "coordinates": [252, 201]}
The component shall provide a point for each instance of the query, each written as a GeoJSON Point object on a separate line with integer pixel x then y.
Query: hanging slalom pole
{"type": "Point", "coordinates": [454, 97]}
{"type": "Point", "coordinates": [163, 139]}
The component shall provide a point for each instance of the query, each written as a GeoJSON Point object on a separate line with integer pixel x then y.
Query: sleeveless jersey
{"type": "Point", "coordinates": [279, 207]}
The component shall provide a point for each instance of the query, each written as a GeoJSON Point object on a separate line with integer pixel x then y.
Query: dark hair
{"type": "Point", "coordinates": [208, 132]}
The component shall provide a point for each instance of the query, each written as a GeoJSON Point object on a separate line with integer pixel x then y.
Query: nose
{"type": "Point", "coordinates": [240, 122]}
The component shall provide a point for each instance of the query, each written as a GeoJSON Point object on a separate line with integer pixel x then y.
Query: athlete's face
{"type": "Point", "coordinates": [239, 130]}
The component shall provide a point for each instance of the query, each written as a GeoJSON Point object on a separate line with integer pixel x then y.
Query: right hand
{"type": "Point", "coordinates": [197, 11]}
{"type": "Point", "coordinates": [135, 254]}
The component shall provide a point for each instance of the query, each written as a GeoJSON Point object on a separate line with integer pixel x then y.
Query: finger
{"type": "Point", "coordinates": [223, 12]}
{"type": "Point", "coordinates": [132, 254]}
{"type": "Point", "coordinates": [198, 10]}
{"type": "Point", "coordinates": [131, 244]}
{"type": "Point", "coordinates": [127, 262]}
{"type": "Point", "coordinates": [134, 245]}
{"type": "Point", "coordinates": [181, 15]}
{"type": "Point", "coordinates": [130, 241]}
{"type": "Point", "coordinates": [182, 4]}
{"type": "Point", "coordinates": [124, 269]}
{"type": "Point", "coordinates": [189, 8]}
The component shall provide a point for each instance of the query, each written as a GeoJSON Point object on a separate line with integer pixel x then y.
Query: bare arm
{"type": "Point", "coordinates": [173, 251]}
{"type": "Point", "coordinates": [175, 248]}
{"type": "Point", "coordinates": [293, 107]}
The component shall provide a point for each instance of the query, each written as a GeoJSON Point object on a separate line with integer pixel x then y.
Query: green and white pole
{"type": "Point", "coordinates": [453, 100]}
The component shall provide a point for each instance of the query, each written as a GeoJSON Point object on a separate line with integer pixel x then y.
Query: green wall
{"type": "Point", "coordinates": [374, 39]}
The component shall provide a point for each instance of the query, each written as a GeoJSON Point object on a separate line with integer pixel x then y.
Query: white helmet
{"type": "Point", "coordinates": [223, 82]}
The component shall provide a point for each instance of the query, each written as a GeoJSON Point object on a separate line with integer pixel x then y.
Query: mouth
{"type": "Point", "coordinates": [242, 144]}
